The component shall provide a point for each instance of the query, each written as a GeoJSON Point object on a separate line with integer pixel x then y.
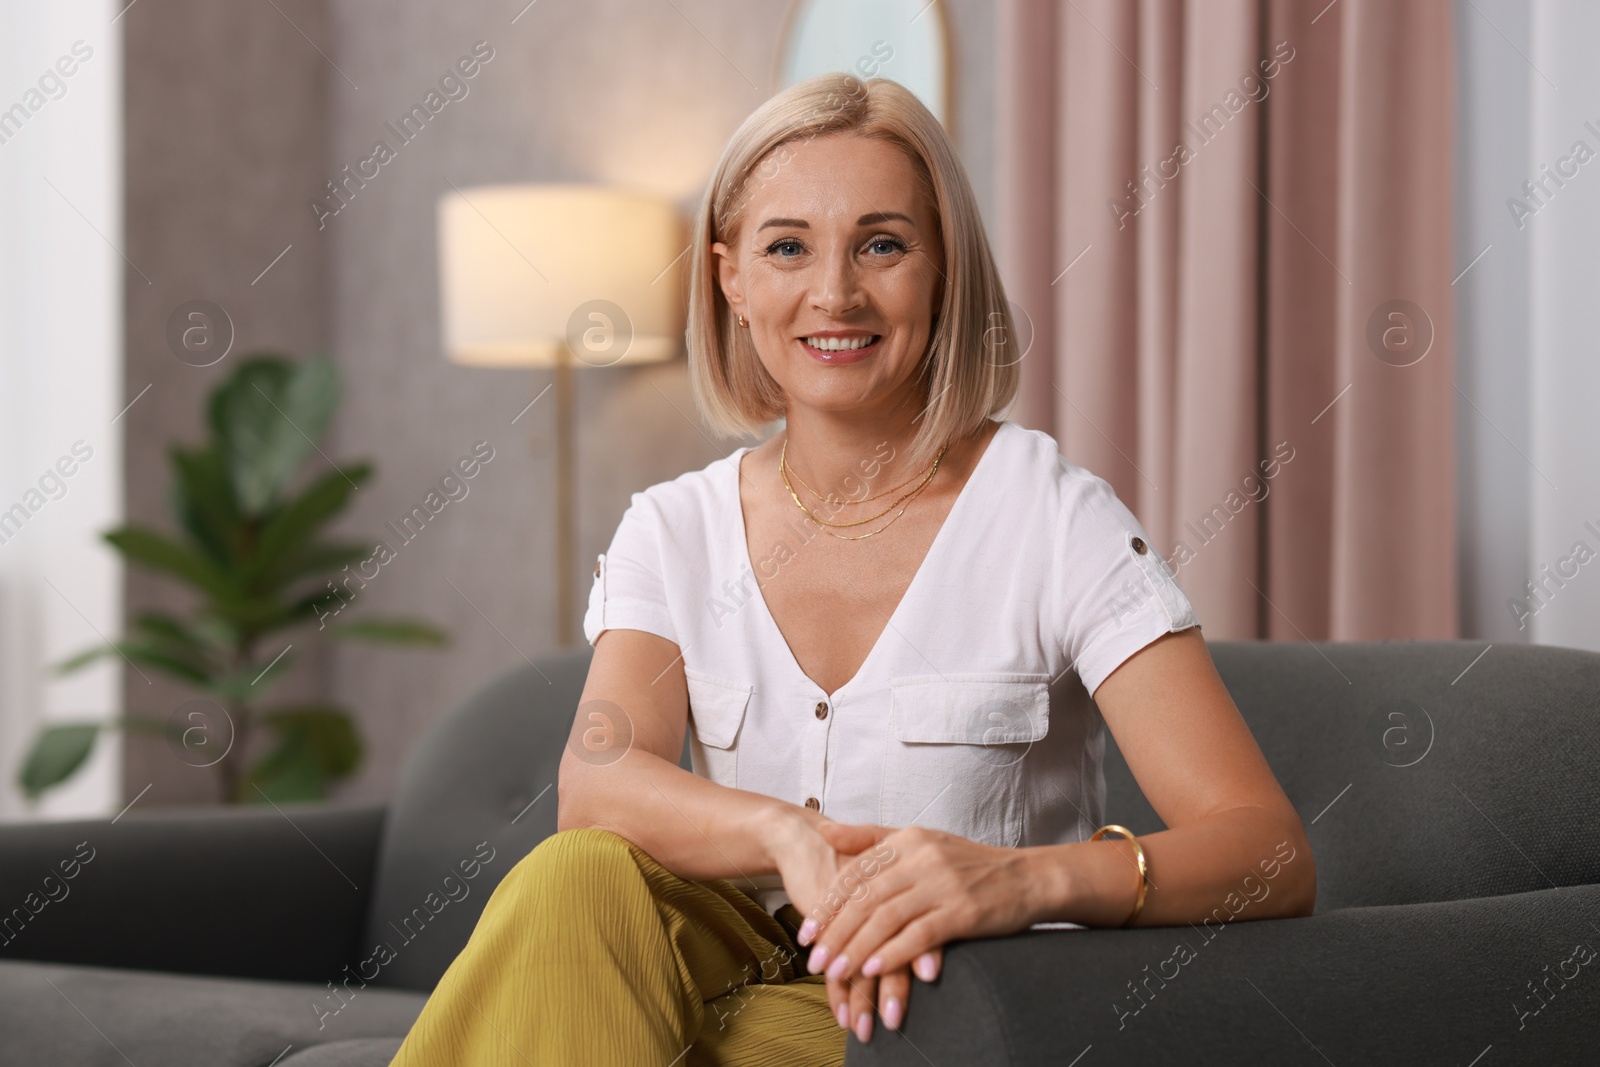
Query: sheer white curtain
{"type": "Point", "coordinates": [1529, 373]}
{"type": "Point", "coordinates": [61, 386]}
{"type": "Point", "coordinates": [1564, 288]}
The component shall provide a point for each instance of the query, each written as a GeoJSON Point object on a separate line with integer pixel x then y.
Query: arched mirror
{"type": "Point", "coordinates": [905, 40]}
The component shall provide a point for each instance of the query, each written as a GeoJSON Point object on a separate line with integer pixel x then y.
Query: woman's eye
{"type": "Point", "coordinates": [891, 243]}
{"type": "Point", "coordinates": [787, 243]}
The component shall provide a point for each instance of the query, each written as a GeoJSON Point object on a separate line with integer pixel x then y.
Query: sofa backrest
{"type": "Point", "coordinates": [1421, 771]}
{"type": "Point", "coordinates": [478, 789]}
{"type": "Point", "coordinates": [1417, 782]}
{"type": "Point", "coordinates": [481, 783]}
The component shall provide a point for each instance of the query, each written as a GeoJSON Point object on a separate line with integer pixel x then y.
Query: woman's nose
{"type": "Point", "coordinates": [838, 289]}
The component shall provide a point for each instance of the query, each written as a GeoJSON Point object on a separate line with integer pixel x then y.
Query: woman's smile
{"type": "Point", "coordinates": [836, 347]}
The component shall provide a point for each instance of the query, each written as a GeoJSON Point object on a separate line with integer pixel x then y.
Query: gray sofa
{"type": "Point", "coordinates": [1455, 821]}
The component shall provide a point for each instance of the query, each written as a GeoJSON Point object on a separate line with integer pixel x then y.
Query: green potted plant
{"type": "Point", "coordinates": [253, 549]}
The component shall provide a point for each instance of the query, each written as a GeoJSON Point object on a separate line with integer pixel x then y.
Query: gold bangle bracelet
{"type": "Point", "coordinates": [1144, 869]}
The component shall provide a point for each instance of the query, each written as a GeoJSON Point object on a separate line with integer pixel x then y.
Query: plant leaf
{"type": "Point", "coordinates": [216, 629]}
{"type": "Point", "coordinates": [269, 415]}
{"type": "Point", "coordinates": [306, 609]}
{"type": "Point", "coordinates": [57, 752]}
{"type": "Point", "coordinates": [158, 625]}
{"type": "Point", "coordinates": [260, 616]}
{"type": "Point", "coordinates": [170, 627]}
{"type": "Point", "coordinates": [203, 502]}
{"type": "Point", "coordinates": [295, 524]}
{"type": "Point", "coordinates": [148, 548]}
{"type": "Point", "coordinates": [252, 681]}
{"type": "Point", "coordinates": [165, 635]}
{"type": "Point", "coordinates": [317, 744]}
{"type": "Point", "coordinates": [293, 776]}
{"type": "Point", "coordinates": [322, 558]}
{"type": "Point", "coordinates": [177, 665]}
{"type": "Point", "coordinates": [312, 395]}
{"type": "Point", "coordinates": [329, 729]}
{"type": "Point", "coordinates": [162, 659]}
{"type": "Point", "coordinates": [84, 658]}
{"type": "Point", "coordinates": [391, 632]}
{"type": "Point", "coordinates": [247, 426]}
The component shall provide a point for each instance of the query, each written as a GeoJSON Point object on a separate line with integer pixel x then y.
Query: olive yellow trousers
{"type": "Point", "coordinates": [591, 953]}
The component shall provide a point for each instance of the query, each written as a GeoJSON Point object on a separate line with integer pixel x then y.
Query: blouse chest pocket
{"type": "Point", "coordinates": [716, 711]}
{"type": "Point", "coordinates": [956, 752]}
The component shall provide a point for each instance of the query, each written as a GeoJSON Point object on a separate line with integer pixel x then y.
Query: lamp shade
{"type": "Point", "coordinates": [530, 272]}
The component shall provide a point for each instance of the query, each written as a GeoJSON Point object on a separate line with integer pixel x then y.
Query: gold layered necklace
{"type": "Point", "coordinates": [901, 503]}
{"type": "Point", "coordinates": [836, 501]}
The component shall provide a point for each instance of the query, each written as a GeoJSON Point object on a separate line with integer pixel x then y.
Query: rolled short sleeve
{"type": "Point", "coordinates": [1115, 594]}
{"type": "Point", "coordinates": [629, 590]}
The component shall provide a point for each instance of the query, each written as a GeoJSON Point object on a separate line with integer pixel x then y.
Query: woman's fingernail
{"type": "Point", "coordinates": [818, 960]}
{"type": "Point", "coordinates": [924, 967]}
{"type": "Point", "coordinates": [843, 1015]}
{"type": "Point", "coordinates": [864, 1027]}
{"type": "Point", "coordinates": [838, 968]}
{"type": "Point", "coordinates": [891, 1013]}
{"type": "Point", "coordinates": [872, 967]}
{"type": "Point", "coordinates": [807, 931]}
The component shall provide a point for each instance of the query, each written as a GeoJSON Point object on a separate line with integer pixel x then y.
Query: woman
{"type": "Point", "coordinates": [885, 624]}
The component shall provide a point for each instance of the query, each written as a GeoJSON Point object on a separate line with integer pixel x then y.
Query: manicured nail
{"type": "Point", "coordinates": [838, 968]}
{"type": "Point", "coordinates": [891, 1013]}
{"type": "Point", "coordinates": [843, 1015]}
{"type": "Point", "coordinates": [924, 967]}
{"type": "Point", "coordinates": [818, 960]}
{"type": "Point", "coordinates": [872, 967]}
{"type": "Point", "coordinates": [807, 931]}
{"type": "Point", "coordinates": [864, 1027]}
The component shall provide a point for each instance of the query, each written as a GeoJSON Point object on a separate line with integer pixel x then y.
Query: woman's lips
{"type": "Point", "coordinates": [843, 355]}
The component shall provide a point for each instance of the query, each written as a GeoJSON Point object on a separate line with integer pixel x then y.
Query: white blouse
{"type": "Point", "coordinates": [972, 713]}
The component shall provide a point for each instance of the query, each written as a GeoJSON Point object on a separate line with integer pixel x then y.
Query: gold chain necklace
{"type": "Point", "coordinates": [783, 470]}
{"type": "Point", "coordinates": [837, 502]}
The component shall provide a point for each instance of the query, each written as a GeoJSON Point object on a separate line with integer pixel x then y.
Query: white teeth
{"type": "Point", "coordinates": [839, 344]}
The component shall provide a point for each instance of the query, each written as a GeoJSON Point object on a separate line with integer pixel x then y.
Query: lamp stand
{"type": "Point", "coordinates": [566, 515]}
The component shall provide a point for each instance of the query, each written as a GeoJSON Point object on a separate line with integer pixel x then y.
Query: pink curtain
{"type": "Point", "coordinates": [1229, 222]}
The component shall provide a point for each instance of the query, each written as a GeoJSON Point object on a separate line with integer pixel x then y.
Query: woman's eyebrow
{"type": "Point", "coordinates": [864, 220]}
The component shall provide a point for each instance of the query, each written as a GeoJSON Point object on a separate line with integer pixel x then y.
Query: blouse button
{"type": "Point", "coordinates": [813, 803]}
{"type": "Point", "coordinates": [1139, 546]}
{"type": "Point", "coordinates": [822, 709]}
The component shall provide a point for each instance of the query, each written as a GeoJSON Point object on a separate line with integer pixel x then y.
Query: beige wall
{"type": "Point", "coordinates": [624, 91]}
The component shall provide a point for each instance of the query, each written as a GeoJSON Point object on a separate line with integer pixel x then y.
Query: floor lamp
{"type": "Point", "coordinates": [561, 277]}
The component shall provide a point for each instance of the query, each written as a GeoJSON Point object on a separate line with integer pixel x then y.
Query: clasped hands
{"type": "Point", "coordinates": [880, 904]}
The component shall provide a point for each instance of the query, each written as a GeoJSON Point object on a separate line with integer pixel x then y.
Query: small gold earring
{"type": "Point", "coordinates": [743, 325]}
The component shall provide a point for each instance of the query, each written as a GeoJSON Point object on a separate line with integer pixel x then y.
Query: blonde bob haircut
{"type": "Point", "coordinates": [969, 371]}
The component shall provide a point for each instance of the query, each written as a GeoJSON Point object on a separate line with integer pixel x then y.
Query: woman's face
{"type": "Point", "coordinates": [838, 268]}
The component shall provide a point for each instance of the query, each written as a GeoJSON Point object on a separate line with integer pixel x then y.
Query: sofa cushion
{"type": "Point", "coordinates": [1421, 771]}
{"type": "Point", "coordinates": [362, 1052]}
{"type": "Point", "coordinates": [90, 1016]}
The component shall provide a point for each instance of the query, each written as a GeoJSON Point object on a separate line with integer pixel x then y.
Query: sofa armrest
{"type": "Point", "coordinates": [1416, 983]}
{"type": "Point", "coordinates": [260, 893]}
